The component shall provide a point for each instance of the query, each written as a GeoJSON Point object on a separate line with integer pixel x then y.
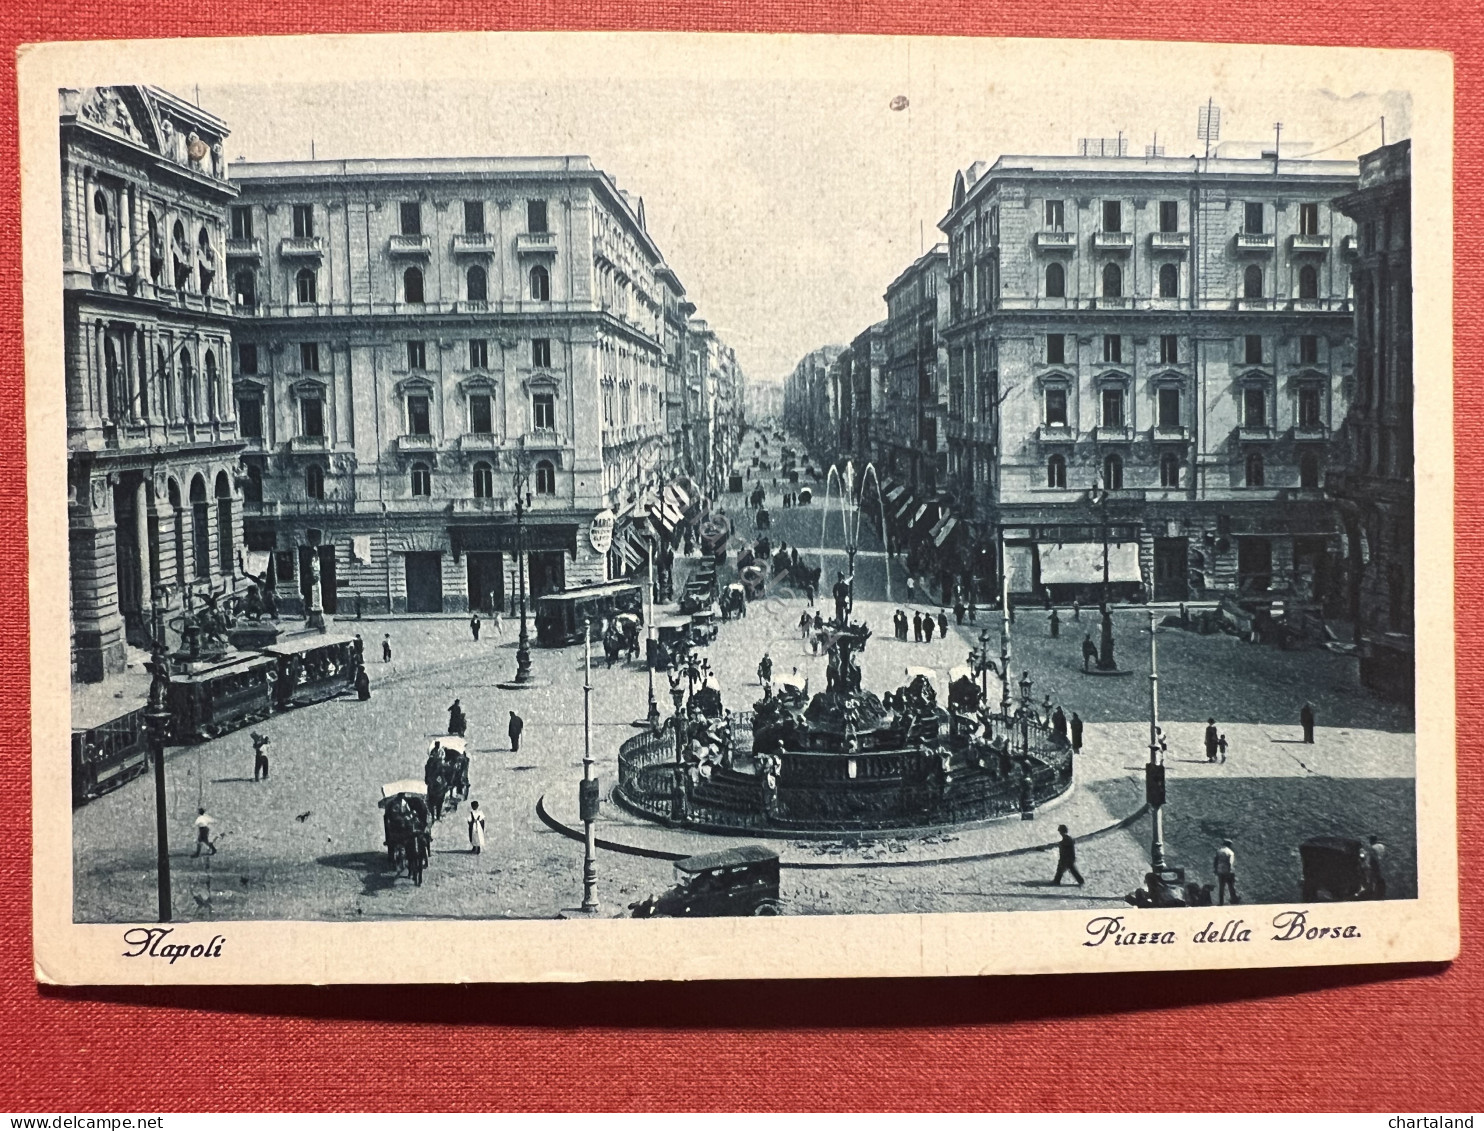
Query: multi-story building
{"type": "Point", "coordinates": [420, 340]}
{"type": "Point", "coordinates": [714, 407]}
{"type": "Point", "coordinates": [764, 401]}
{"type": "Point", "coordinates": [1373, 483]}
{"type": "Point", "coordinates": [154, 507]}
{"type": "Point", "coordinates": [677, 315]}
{"type": "Point", "coordinates": [868, 393]}
{"type": "Point", "coordinates": [1153, 354]}
{"type": "Point", "coordinates": [811, 405]}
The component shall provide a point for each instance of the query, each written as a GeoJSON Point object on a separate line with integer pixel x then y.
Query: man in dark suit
{"type": "Point", "coordinates": [1066, 857]}
{"type": "Point", "coordinates": [517, 724]}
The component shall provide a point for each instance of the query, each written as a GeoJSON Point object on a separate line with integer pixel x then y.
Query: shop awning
{"type": "Point", "coordinates": [922, 509]}
{"type": "Point", "coordinates": [1081, 563]}
{"type": "Point", "coordinates": [1019, 568]}
{"type": "Point", "coordinates": [944, 529]}
{"type": "Point", "coordinates": [903, 509]}
{"type": "Point", "coordinates": [894, 492]}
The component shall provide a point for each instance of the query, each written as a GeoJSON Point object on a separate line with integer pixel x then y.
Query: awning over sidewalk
{"type": "Point", "coordinates": [893, 492]}
{"type": "Point", "coordinates": [1019, 568]}
{"type": "Point", "coordinates": [1081, 563]}
{"type": "Point", "coordinates": [944, 529]}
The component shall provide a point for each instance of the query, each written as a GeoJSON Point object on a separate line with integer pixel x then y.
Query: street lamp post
{"type": "Point", "coordinates": [523, 500]}
{"type": "Point", "coordinates": [588, 791]}
{"type": "Point", "coordinates": [1155, 771]}
{"type": "Point", "coordinates": [157, 722]}
{"type": "Point", "coordinates": [1099, 496]}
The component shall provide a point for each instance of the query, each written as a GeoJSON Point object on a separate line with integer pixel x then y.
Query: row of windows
{"type": "Point", "coordinates": [1254, 408]}
{"type": "Point", "coordinates": [1169, 349]}
{"type": "Point", "coordinates": [476, 286]}
{"type": "Point", "coordinates": [1170, 464]}
{"type": "Point", "coordinates": [421, 480]}
{"type": "Point", "coordinates": [419, 415]}
{"type": "Point", "coordinates": [409, 214]}
{"type": "Point", "coordinates": [1169, 281]}
{"type": "Point", "coordinates": [1253, 216]}
{"type": "Point", "coordinates": [417, 355]}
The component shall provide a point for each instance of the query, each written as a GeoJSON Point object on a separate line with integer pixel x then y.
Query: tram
{"type": "Point", "coordinates": [312, 668]}
{"type": "Point", "coordinates": [106, 755]}
{"type": "Point", "coordinates": [221, 695]}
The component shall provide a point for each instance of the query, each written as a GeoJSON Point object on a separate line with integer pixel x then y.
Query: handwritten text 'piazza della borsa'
{"type": "Point", "coordinates": [1288, 926]}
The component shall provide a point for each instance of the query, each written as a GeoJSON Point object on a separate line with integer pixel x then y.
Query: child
{"type": "Point", "coordinates": [1221, 747]}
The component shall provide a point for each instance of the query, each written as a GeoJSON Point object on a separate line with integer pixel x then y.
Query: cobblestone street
{"type": "Point", "coordinates": [306, 843]}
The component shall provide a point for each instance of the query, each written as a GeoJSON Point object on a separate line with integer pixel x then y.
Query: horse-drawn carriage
{"type": "Point", "coordinates": [702, 627]}
{"type": "Point", "coordinates": [621, 637]}
{"type": "Point", "coordinates": [754, 581]}
{"type": "Point", "coordinates": [716, 529]}
{"type": "Point", "coordinates": [407, 825]}
{"type": "Point", "coordinates": [701, 591]}
{"type": "Point", "coordinates": [446, 774]}
{"type": "Point", "coordinates": [672, 638]}
{"type": "Point", "coordinates": [733, 601]}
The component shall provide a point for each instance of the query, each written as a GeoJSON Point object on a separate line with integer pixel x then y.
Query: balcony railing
{"type": "Point", "coordinates": [287, 507]}
{"type": "Point", "coordinates": [308, 444]}
{"type": "Point", "coordinates": [1178, 434]}
{"type": "Point", "coordinates": [1250, 434]}
{"type": "Point", "coordinates": [473, 243]}
{"type": "Point", "coordinates": [1056, 434]}
{"type": "Point", "coordinates": [479, 442]}
{"type": "Point", "coordinates": [1308, 243]}
{"type": "Point", "coordinates": [248, 249]}
{"type": "Point", "coordinates": [498, 504]}
{"type": "Point", "coordinates": [416, 442]}
{"type": "Point", "coordinates": [535, 243]}
{"type": "Point", "coordinates": [1056, 241]}
{"type": "Point", "coordinates": [1255, 241]}
{"type": "Point", "coordinates": [409, 245]}
{"type": "Point", "coordinates": [542, 438]}
{"type": "Point", "coordinates": [1170, 241]}
{"type": "Point", "coordinates": [301, 247]}
{"type": "Point", "coordinates": [1113, 434]}
{"type": "Point", "coordinates": [1310, 433]}
{"type": "Point", "coordinates": [1113, 241]}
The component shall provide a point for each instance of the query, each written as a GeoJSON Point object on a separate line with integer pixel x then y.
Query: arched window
{"type": "Point", "coordinates": [422, 480]}
{"type": "Point", "coordinates": [1169, 470]}
{"type": "Point", "coordinates": [305, 286]}
{"type": "Point", "coordinates": [540, 284]}
{"type": "Point", "coordinates": [476, 278]}
{"type": "Point", "coordinates": [1169, 281]}
{"type": "Point", "coordinates": [1112, 281]}
{"type": "Point", "coordinates": [545, 478]}
{"type": "Point", "coordinates": [200, 534]}
{"type": "Point", "coordinates": [181, 254]}
{"type": "Point", "coordinates": [245, 288]}
{"type": "Point", "coordinates": [113, 378]}
{"type": "Point", "coordinates": [167, 384]}
{"type": "Point", "coordinates": [205, 260]}
{"type": "Point", "coordinates": [1252, 282]}
{"type": "Point", "coordinates": [214, 401]}
{"type": "Point", "coordinates": [1309, 471]}
{"type": "Point", "coordinates": [314, 482]}
{"type": "Point", "coordinates": [156, 249]}
{"type": "Point", "coordinates": [1308, 282]}
{"type": "Point", "coordinates": [1056, 281]}
{"type": "Point", "coordinates": [180, 545]}
{"type": "Point", "coordinates": [484, 481]}
{"type": "Point", "coordinates": [224, 523]}
{"type": "Point", "coordinates": [412, 285]}
{"type": "Point", "coordinates": [1056, 471]}
{"type": "Point", "coordinates": [108, 235]}
{"type": "Point", "coordinates": [1254, 469]}
{"type": "Point", "coordinates": [188, 399]}
{"type": "Point", "coordinates": [1113, 472]}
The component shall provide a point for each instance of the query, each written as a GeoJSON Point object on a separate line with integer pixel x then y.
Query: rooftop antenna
{"type": "Point", "coordinates": [1383, 130]}
{"type": "Point", "coordinates": [1208, 127]}
{"type": "Point", "coordinates": [311, 149]}
{"type": "Point", "coordinates": [1277, 144]}
{"type": "Point", "coordinates": [198, 95]}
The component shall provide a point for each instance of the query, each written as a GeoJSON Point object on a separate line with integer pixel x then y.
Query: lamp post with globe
{"type": "Point", "coordinates": [520, 480]}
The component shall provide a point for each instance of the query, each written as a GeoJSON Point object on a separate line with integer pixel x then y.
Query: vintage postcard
{"type": "Point", "coordinates": [630, 506]}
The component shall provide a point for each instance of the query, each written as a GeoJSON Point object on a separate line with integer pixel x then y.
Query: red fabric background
{"type": "Point", "coordinates": [1378, 1038]}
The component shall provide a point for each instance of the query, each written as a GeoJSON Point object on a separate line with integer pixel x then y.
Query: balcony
{"type": "Point", "coordinates": [416, 442]}
{"type": "Point", "coordinates": [1255, 435]}
{"type": "Point", "coordinates": [1055, 434]}
{"type": "Point", "coordinates": [1255, 242]}
{"type": "Point", "coordinates": [479, 442]}
{"type": "Point", "coordinates": [1056, 241]}
{"type": "Point", "coordinates": [309, 444]}
{"type": "Point", "coordinates": [1349, 248]}
{"type": "Point", "coordinates": [1170, 241]}
{"type": "Point", "coordinates": [1113, 434]}
{"type": "Point", "coordinates": [1113, 241]}
{"type": "Point", "coordinates": [1178, 434]}
{"type": "Point", "coordinates": [293, 507]}
{"type": "Point", "coordinates": [247, 251]}
{"type": "Point", "coordinates": [1308, 243]}
{"type": "Point", "coordinates": [499, 504]}
{"type": "Point", "coordinates": [542, 438]}
{"type": "Point", "coordinates": [301, 247]}
{"type": "Point", "coordinates": [1313, 433]}
{"type": "Point", "coordinates": [535, 243]}
{"type": "Point", "coordinates": [417, 246]}
{"type": "Point", "coordinates": [473, 243]}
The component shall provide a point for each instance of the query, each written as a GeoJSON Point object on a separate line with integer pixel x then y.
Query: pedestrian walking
{"type": "Point", "coordinates": [497, 617]}
{"type": "Point", "coordinates": [1225, 867]}
{"type": "Point", "coordinates": [517, 724]}
{"type": "Point", "coordinates": [917, 625]}
{"type": "Point", "coordinates": [474, 626]}
{"type": "Point", "coordinates": [809, 589]}
{"type": "Point", "coordinates": [1059, 723]}
{"type": "Point", "coordinates": [973, 611]}
{"type": "Point", "coordinates": [363, 683]}
{"type": "Point", "coordinates": [1221, 747]}
{"type": "Point", "coordinates": [1089, 651]}
{"type": "Point", "coordinates": [204, 822]}
{"type": "Point", "coordinates": [259, 758]}
{"type": "Point", "coordinates": [1376, 859]}
{"type": "Point", "coordinates": [1306, 719]}
{"type": "Point", "coordinates": [1066, 857]}
{"type": "Point", "coordinates": [386, 648]}
{"type": "Point", "coordinates": [1213, 741]}
{"type": "Point", "coordinates": [360, 646]}
{"type": "Point", "coordinates": [457, 723]}
{"type": "Point", "coordinates": [927, 628]}
{"type": "Point", "coordinates": [1076, 609]}
{"type": "Point", "coordinates": [958, 611]}
{"type": "Point", "coordinates": [911, 589]}
{"type": "Point", "coordinates": [1055, 624]}
{"type": "Point", "coordinates": [943, 624]}
{"type": "Point", "coordinates": [476, 828]}
{"type": "Point", "coordinates": [1075, 725]}
{"type": "Point", "coordinates": [765, 669]}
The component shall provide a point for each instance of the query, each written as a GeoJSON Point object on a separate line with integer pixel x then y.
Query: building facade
{"type": "Point", "coordinates": [154, 505]}
{"type": "Point", "coordinates": [868, 394]}
{"type": "Point", "coordinates": [1152, 354]}
{"type": "Point", "coordinates": [420, 343]}
{"type": "Point", "coordinates": [915, 448]}
{"type": "Point", "coordinates": [811, 403]}
{"type": "Point", "coordinates": [1373, 482]}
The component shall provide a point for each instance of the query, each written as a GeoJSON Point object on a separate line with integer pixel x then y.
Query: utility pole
{"type": "Point", "coordinates": [587, 796]}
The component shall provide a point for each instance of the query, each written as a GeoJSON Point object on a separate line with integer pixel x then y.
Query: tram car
{"type": "Point", "coordinates": [106, 755]}
{"type": "Point", "coordinates": [220, 695]}
{"type": "Point", "coordinates": [561, 617]}
{"type": "Point", "coordinates": [312, 668]}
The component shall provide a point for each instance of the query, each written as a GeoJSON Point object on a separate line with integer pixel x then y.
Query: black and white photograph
{"type": "Point", "coordinates": [942, 488]}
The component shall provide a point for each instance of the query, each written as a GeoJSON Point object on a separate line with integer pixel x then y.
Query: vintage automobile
{"type": "Point", "coordinates": [1338, 866]}
{"type": "Point", "coordinates": [1163, 888]}
{"type": "Point", "coordinates": [312, 668]}
{"type": "Point", "coordinates": [736, 881]}
{"type": "Point", "coordinates": [218, 696]}
{"type": "Point", "coordinates": [560, 617]}
{"type": "Point", "coordinates": [672, 637]}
